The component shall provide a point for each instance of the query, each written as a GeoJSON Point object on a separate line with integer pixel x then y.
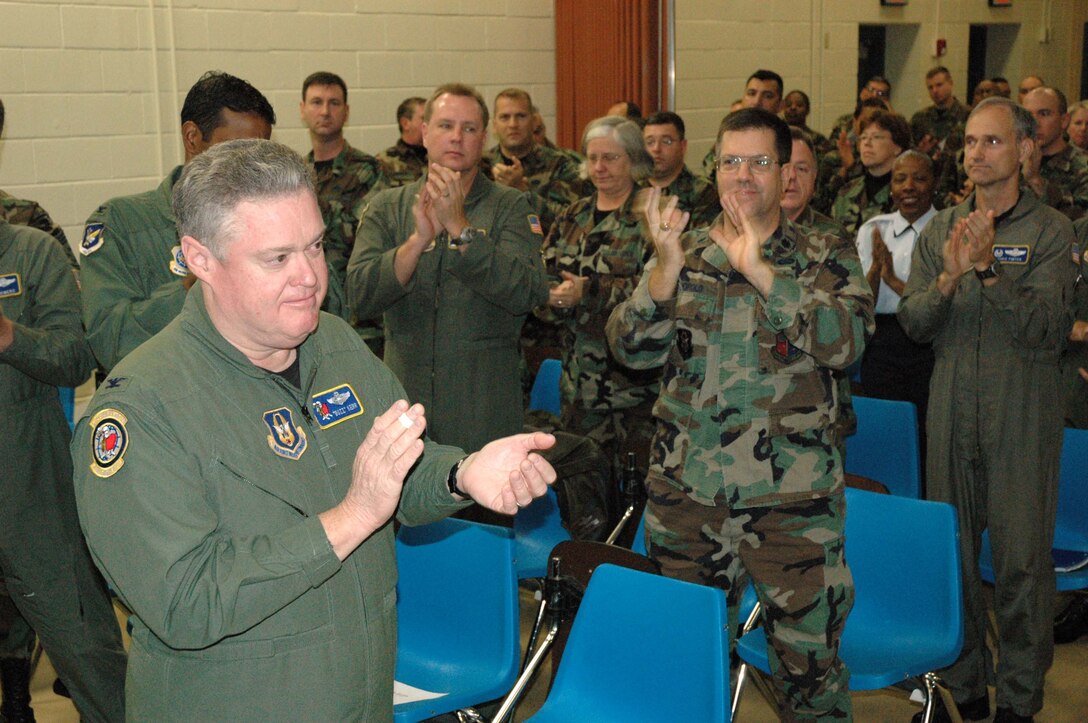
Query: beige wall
{"type": "Point", "coordinates": [93, 88]}
{"type": "Point", "coordinates": [813, 45]}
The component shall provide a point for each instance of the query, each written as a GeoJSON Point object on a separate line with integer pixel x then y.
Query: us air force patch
{"type": "Point", "coordinates": [335, 405]}
{"type": "Point", "coordinates": [286, 439]}
{"type": "Point", "coordinates": [1012, 253]}
{"type": "Point", "coordinates": [10, 285]}
{"type": "Point", "coordinates": [784, 351]}
{"type": "Point", "coordinates": [177, 262]}
{"type": "Point", "coordinates": [534, 224]}
{"type": "Point", "coordinates": [109, 440]}
{"type": "Point", "coordinates": [92, 238]}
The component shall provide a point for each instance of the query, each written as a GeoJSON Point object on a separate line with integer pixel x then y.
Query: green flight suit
{"type": "Point", "coordinates": [207, 526]}
{"type": "Point", "coordinates": [45, 564]}
{"type": "Point", "coordinates": [451, 334]}
{"type": "Point", "coordinates": [994, 431]}
{"type": "Point", "coordinates": [1075, 356]}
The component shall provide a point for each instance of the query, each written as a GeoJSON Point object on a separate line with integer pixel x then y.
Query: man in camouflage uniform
{"type": "Point", "coordinates": [540, 135]}
{"type": "Point", "coordinates": [134, 274]}
{"type": "Point", "coordinates": [343, 176]}
{"type": "Point", "coordinates": [548, 177]}
{"type": "Point", "coordinates": [938, 129]}
{"type": "Point", "coordinates": [405, 161]}
{"type": "Point", "coordinates": [763, 89]}
{"type": "Point", "coordinates": [665, 141]}
{"type": "Point", "coordinates": [1057, 171]}
{"type": "Point", "coordinates": [750, 315]}
{"type": "Point", "coordinates": [876, 87]}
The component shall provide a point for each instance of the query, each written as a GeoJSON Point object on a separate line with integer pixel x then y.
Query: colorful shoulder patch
{"type": "Point", "coordinates": [286, 438]}
{"type": "Point", "coordinates": [177, 262]}
{"type": "Point", "coordinates": [1018, 254]}
{"type": "Point", "coordinates": [534, 224]}
{"type": "Point", "coordinates": [92, 238]}
{"type": "Point", "coordinates": [335, 405]}
{"type": "Point", "coordinates": [10, 285]}
{"type": "Point", "coordinates": [109, 440]}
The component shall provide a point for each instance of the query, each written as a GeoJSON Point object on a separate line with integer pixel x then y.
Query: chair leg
{"type": "Point", "coordinates": [742, 677]}
{"type": "Point", "coordinates": [932, 685]}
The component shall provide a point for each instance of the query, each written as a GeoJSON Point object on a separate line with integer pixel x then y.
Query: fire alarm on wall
{"type": "Point", "coordinates": [940, 47]}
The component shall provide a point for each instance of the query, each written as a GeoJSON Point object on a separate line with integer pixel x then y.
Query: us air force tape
{"type": "Point", "coordinates": [109, 440]}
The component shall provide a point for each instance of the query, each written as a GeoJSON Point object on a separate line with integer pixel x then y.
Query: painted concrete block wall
{"type": "Point", "coordinates": [93, 88]}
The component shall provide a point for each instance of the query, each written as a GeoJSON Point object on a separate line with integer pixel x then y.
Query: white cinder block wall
{"type": "Point", "coordinates": [93, 87]}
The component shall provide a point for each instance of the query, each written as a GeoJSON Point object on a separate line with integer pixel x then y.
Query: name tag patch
{"type": "Point", "coordinates": [1012, 254]}
{"type": "Point", "coordinates": [286, 438]}
{"type": "Point", "coordinates": [92, 238]}
{"type": "Point", "coordinates": [109, 441]}
{"type": "Point", "coordinates": [177, 262]}
{"type": "Point", "coordinates": [335, 405]}
{"type": "Point", "coordinates": [10, 285]}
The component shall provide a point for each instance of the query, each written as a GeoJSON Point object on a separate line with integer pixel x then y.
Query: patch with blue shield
{"type": "Point", "coordinates": [92, 238]}
{"type": "Point", "coordinates": [335, 405]}
{"type": "Point", "coordinates": [287, 439]}
{"type": "Point", "coordinates": [177, 262]}
{"type": "Point", "coordinates": [1012, 253]}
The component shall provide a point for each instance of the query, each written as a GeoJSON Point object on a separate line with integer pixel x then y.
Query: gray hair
{"type": "Point", "coordinates": [215, 182]}
{"type": "Point", "coordinates": [1022, 120]}
{"type": "Point", "coordinates": [917, 155]}
{"type": "Point", "coordinates": [628, 134]}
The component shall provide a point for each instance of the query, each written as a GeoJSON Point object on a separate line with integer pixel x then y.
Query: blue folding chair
{"type": "Point", "coordinates": [643, 648]}
{"type": "Point", "coordinates": [1071, 526]}
{"type": "Point", "coordinates": [885, 447]}
{"type": "Point", "coordinates": [537, 529]}
{"type": "Point", "coordinates": [896, 631]}
{"type": "Point", "coordinates": [545, 392]}
{"type": "Point", "coordinates": [474, 659]}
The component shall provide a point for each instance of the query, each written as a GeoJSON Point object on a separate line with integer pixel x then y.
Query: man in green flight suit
{"type": "Point", "coordinates": [255, 452]}
{"type": "Point", "coordinates": [135, 277]}
{"type": "Point", "coordinates": [43, 560]}
{"type": "Point", "coordinates": [750, 315]}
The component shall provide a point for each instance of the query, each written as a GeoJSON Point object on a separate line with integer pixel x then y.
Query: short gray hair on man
{"type": "Point", "coordinates": [1023, 121]}
{"type": "Point", "coordinates": [628, 134]}
{"type": "Point", "coordinates": [922, 158]}
{"type": "Point", "coordinates": [215, 182]}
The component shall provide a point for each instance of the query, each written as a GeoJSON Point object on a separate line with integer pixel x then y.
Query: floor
{"type": "Point", "coordinates": [1066, 690]}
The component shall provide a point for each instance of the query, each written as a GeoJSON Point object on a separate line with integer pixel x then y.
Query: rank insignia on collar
{"type": "Point", "coordinates": [10, 285]}
{"type": "Point", "coordinates": [109, 440]}
{"type": "Point", "coordinates": [286, 438]}
{"type": "Point", "coordinates": [335, 405]}
{"type": "Point", "coordinates": [177, 262]}
{"type": "Point", "coordinates": [92, 238]}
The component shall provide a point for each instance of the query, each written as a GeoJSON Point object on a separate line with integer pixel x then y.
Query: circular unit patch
{"type": "Point", "coordinates": [109, 440]}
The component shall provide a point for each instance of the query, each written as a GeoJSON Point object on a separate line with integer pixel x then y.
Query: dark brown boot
{"type": "Point", "coordinates": [15, 680]}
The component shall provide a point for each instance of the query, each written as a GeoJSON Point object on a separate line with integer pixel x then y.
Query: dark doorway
{"type": "Point", "coordinates": [976, 60]}
{"type": "Point", "coordinates": [872, 43]}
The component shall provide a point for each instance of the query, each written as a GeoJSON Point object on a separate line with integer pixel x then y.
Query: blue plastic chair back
{"type": "Point", "coordinates": [885, 447]}
{"type": "Point", "coordinates": [643, 648]}
{"type": "Point", "coordinates": [68, 403]}
{"type": "Point", "coordinates": [537, 529]}
{"type": "Point", "coordinates": [545, 392]}
{"type": "Point", "coordinates": [474, 659]}
{"type": "Point", "coordinates": [1071, 526]}
{"type": "Point", "coordinates": [908, 614]}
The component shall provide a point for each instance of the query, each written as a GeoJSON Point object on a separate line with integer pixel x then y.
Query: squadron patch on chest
{"type": "Point", "coordinates": [335, 405]}
{"type": "Point", "coordinates": [177, 262]}
{"type": "Point", "coordinates": [10, 285]}
{"type": "Point", "coordinates": [287, 439]}
{"type": "Point", "coordinates": [109, 441]}
{"type": "Point", "coordinates": [92, 238]}
{"type": "Point", "coordinates": [783, 351]}
{"type": "Point", "coordinates": [1018, 254]}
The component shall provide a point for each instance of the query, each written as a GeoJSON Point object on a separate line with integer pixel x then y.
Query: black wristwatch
{"type": "Point", "coordinates": [451, 480]}
{"type": "Point", "coordinates": [468, 235]}
{"type": "Point", "coordinates": [990, 272]}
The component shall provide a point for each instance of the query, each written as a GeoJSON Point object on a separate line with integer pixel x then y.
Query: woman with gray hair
{"type": "Point", "coordinates": [596, 252]}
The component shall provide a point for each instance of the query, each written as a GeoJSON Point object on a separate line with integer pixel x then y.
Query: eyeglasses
{"type": "Point", "coordinates": [756, 164]}
{"type": "Point", "coordinates": [606, 157]}
{"type": "Point", "coordinates": [878, 92]}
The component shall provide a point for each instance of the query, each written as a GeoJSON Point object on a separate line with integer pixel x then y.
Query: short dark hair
{"type": "Point", "coordinates": [1, 116]}
{"type": "Point", "coordinates": [999, 79]}
{"type": "Point", "coordinates": [936, 71]}
{"type": "Point", "coordinates": [215, 91]}
{"type": "Point", "coordinates": [407, 107]}
{"type": "Point", "coordinates": [870, 103]}
{"type": "Point", "coordinates": [747, 119]}
{"type": "Point", "coordinates": [803, 94]}
{"type": "Point", "coordinates": [1063, 104]}
{"type": "Point", "coordinates": [666, 118]}
{"type": "Point", "coordinates": [632, 110]}
{"type": "Point", "coordinates": [515, 94]}
{"type": "Point", "coordinates": [880, 79]}
{"type": "Point", "coordinates": [766, 75]}
{"type": "Point", "coordinates": [895, 124]}
{"type": "Point", "coordinates": [460, 90]}
{"type": "Point", "coordinates": [323, 77]}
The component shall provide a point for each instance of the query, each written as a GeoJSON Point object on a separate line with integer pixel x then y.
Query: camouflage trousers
{"type": "Point", "coordinates": [617, 431]}
{"type": "Point", "coordinates": [793, 556]}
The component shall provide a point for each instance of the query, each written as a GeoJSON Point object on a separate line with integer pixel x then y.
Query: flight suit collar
{"type": "Point", "coordinates": [1027, 203]}
{"type": "Point", "coordinates": [165, 192]}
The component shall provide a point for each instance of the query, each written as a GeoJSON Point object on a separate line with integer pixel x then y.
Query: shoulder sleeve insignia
{"type": "Point", "coordinates": [286, 438]}
{"type": "Point", "coordinates": [335, 405]}
{"type": "Point", "coordinates": [534, 224]}
{"type": "Point", "coordinates": [10, 285]}
{"type": "Point", "coordinates": [92, 238]}
{"type": "Point", "coordinates": [109, 440]}
{"type": "Point", "coordinates": [177, 262]}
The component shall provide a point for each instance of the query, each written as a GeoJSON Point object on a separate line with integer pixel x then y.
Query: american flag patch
{"type": "Point", "coordinates": [534, 224]}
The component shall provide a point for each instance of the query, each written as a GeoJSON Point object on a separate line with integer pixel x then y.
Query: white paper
{"type": "Point", "coordinates": [404, 693]}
